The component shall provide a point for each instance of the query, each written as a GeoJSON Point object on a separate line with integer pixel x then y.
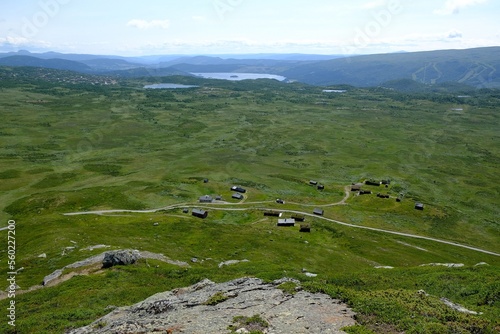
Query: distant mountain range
{"type": "Point", "coordinates": [473, 67]}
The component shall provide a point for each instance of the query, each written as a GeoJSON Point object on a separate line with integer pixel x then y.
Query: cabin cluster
{"type": "Point", "coordinates": [293, 219]}
{"type": "Point", "coordinates": [290, 222]}
{"type": "Point", "coordinates": [207, 199]}
{"type": "Point", "coordinates": [238, 192]}
{"type": "Point", "coordinates": [358, 188]}
{"type": "Point", "coordinates": [314, 183]}
{"type": "Point", "coordinates": [200, 213]}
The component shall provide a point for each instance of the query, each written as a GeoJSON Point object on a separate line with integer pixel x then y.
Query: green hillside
{"type": "Point", "coordinates": [71, 143]}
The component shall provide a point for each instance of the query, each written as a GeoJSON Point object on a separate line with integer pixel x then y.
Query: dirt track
{"type": "Point", "coordinates": [342, 202]}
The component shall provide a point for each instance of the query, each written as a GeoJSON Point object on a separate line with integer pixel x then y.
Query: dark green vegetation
{"type": "Point", "coordinates": [79, 146]}
{"type": "Point", "coordinates": [217, 298]}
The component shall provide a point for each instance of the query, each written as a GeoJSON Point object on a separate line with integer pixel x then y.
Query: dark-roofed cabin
{"type": "Point", "coordinates": [237, 196]}
{"type": "Point", "coordinates": [238, 189]}
{"type": "Point", "coordinates": [206, 199]}
{"type": "Point", "coordinates": [286, 222]}
{"type": "Point", "coordinates": [185, 210]}
{"type": "Point", "coordinates": [271, 213]}
{"type": "Point", "coordinates": [313, 183]}
{"type": "Point", "coordinates": [356, 187]}
{"type": "Point", "coordinates": [386, 182]}
{"type": "Point", "coordinates": [419, 206]}
{"type": "Point", "coordinates": [280, 201]}
{"type": "Point", "coordinates": [321, 187]}
{"type": "Point", "coordinates": [372, 183]}
{"type": "Point", "coordinates": [305, 228]}
{"type": "Point", "coordinates": [199, 213]}
{"type": "Point", "coordinates": [218, 198]}
{"type": "Point", "coordinates": [298, 217]}
{"type": "Point", "coordinates": [318, 212]}
{"type": "Point", "coordinates": [365, 192]}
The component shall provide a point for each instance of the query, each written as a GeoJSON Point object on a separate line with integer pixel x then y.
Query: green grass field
{"type": "Point", "coordinates": [81, 147]}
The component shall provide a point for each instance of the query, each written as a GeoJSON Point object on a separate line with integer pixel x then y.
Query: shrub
{"type": "Point", "coordinates": [217, 298]}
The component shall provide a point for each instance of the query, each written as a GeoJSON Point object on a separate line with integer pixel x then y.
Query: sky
{"type": "Point", "coordinates": [160, 27]}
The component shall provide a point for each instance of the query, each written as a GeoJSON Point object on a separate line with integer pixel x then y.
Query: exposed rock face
{"type": "Point", "coordinates": [49, 278]}
{"type": "Point", "coordinates": [186, 310]}
{"type": "Point", "coordinates": [113, 258]}
{"type": "Point", "coordinates": [120, 257]}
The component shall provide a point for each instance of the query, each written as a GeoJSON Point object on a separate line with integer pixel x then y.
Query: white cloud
{"type": "Point", "coordinates": [13, 40]}
{"type": "Point", "coordinates": [144, 24]}
{"type": "Point", "coordinates": [454, 6]}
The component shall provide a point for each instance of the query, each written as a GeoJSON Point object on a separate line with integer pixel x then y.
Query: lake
{"type": "Point", "coordinates": [168, 86]}
{"type": "Point", "coordinates": [334, 91]}
{"type": "Point", "coordinates": [240, 76]}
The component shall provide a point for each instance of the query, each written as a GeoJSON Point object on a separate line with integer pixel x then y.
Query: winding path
{"type": "Point", "coordinates": [342, 202]}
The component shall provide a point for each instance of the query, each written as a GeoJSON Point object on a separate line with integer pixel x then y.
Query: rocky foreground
{"type": "Point", "coordinates": [207, 307]}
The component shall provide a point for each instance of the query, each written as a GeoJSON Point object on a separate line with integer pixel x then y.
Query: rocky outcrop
{"type": "Point", "coordinates": [449, 265]}
{"type": "Point", "coordinates": [458, 307]}
{"type": "Point", "coordinates": [52, 276]}
{"type": "Point", "coordinates": [231, 262]}
{"type": "Point", "coordinates": [120, 258]}
{"type": "Point", "coordinates": [108, 259]}
{"type": "Point", "coordinates": [207, 307]}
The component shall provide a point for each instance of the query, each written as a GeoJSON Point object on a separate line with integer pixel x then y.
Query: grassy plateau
{"type": "Point", "coordinates": [95, 144]}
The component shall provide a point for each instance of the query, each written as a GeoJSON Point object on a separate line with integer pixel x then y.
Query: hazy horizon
{"type": "Point", "coordinates": [229, 55]}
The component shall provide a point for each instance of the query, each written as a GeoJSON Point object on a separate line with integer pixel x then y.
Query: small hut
{"type": "Point", "coordinates": [238, 189]}
{"type": "Point", "coordinates": [298, 217]}
{"type": "Point", "coordinates": [372, 183]}
{"type": "Point", "coordinates": [356, 187]}
{"type": "Point", "coordinates": [318, 211]}
{"type": "Point", "coordinates": [419, 206]}
{"type": "Point", "coordinates": [206, 199]}
{"type": "Point", "coordinates": [271, 213]}
{"type": "Point", "coordinates": [237, 196]}
{"type": "Point", "coordinates": [200, 213]}
{"type": "Point", "coordinates": [286, 222]}
{"type": "Point", "coordinates": [305, 228]}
